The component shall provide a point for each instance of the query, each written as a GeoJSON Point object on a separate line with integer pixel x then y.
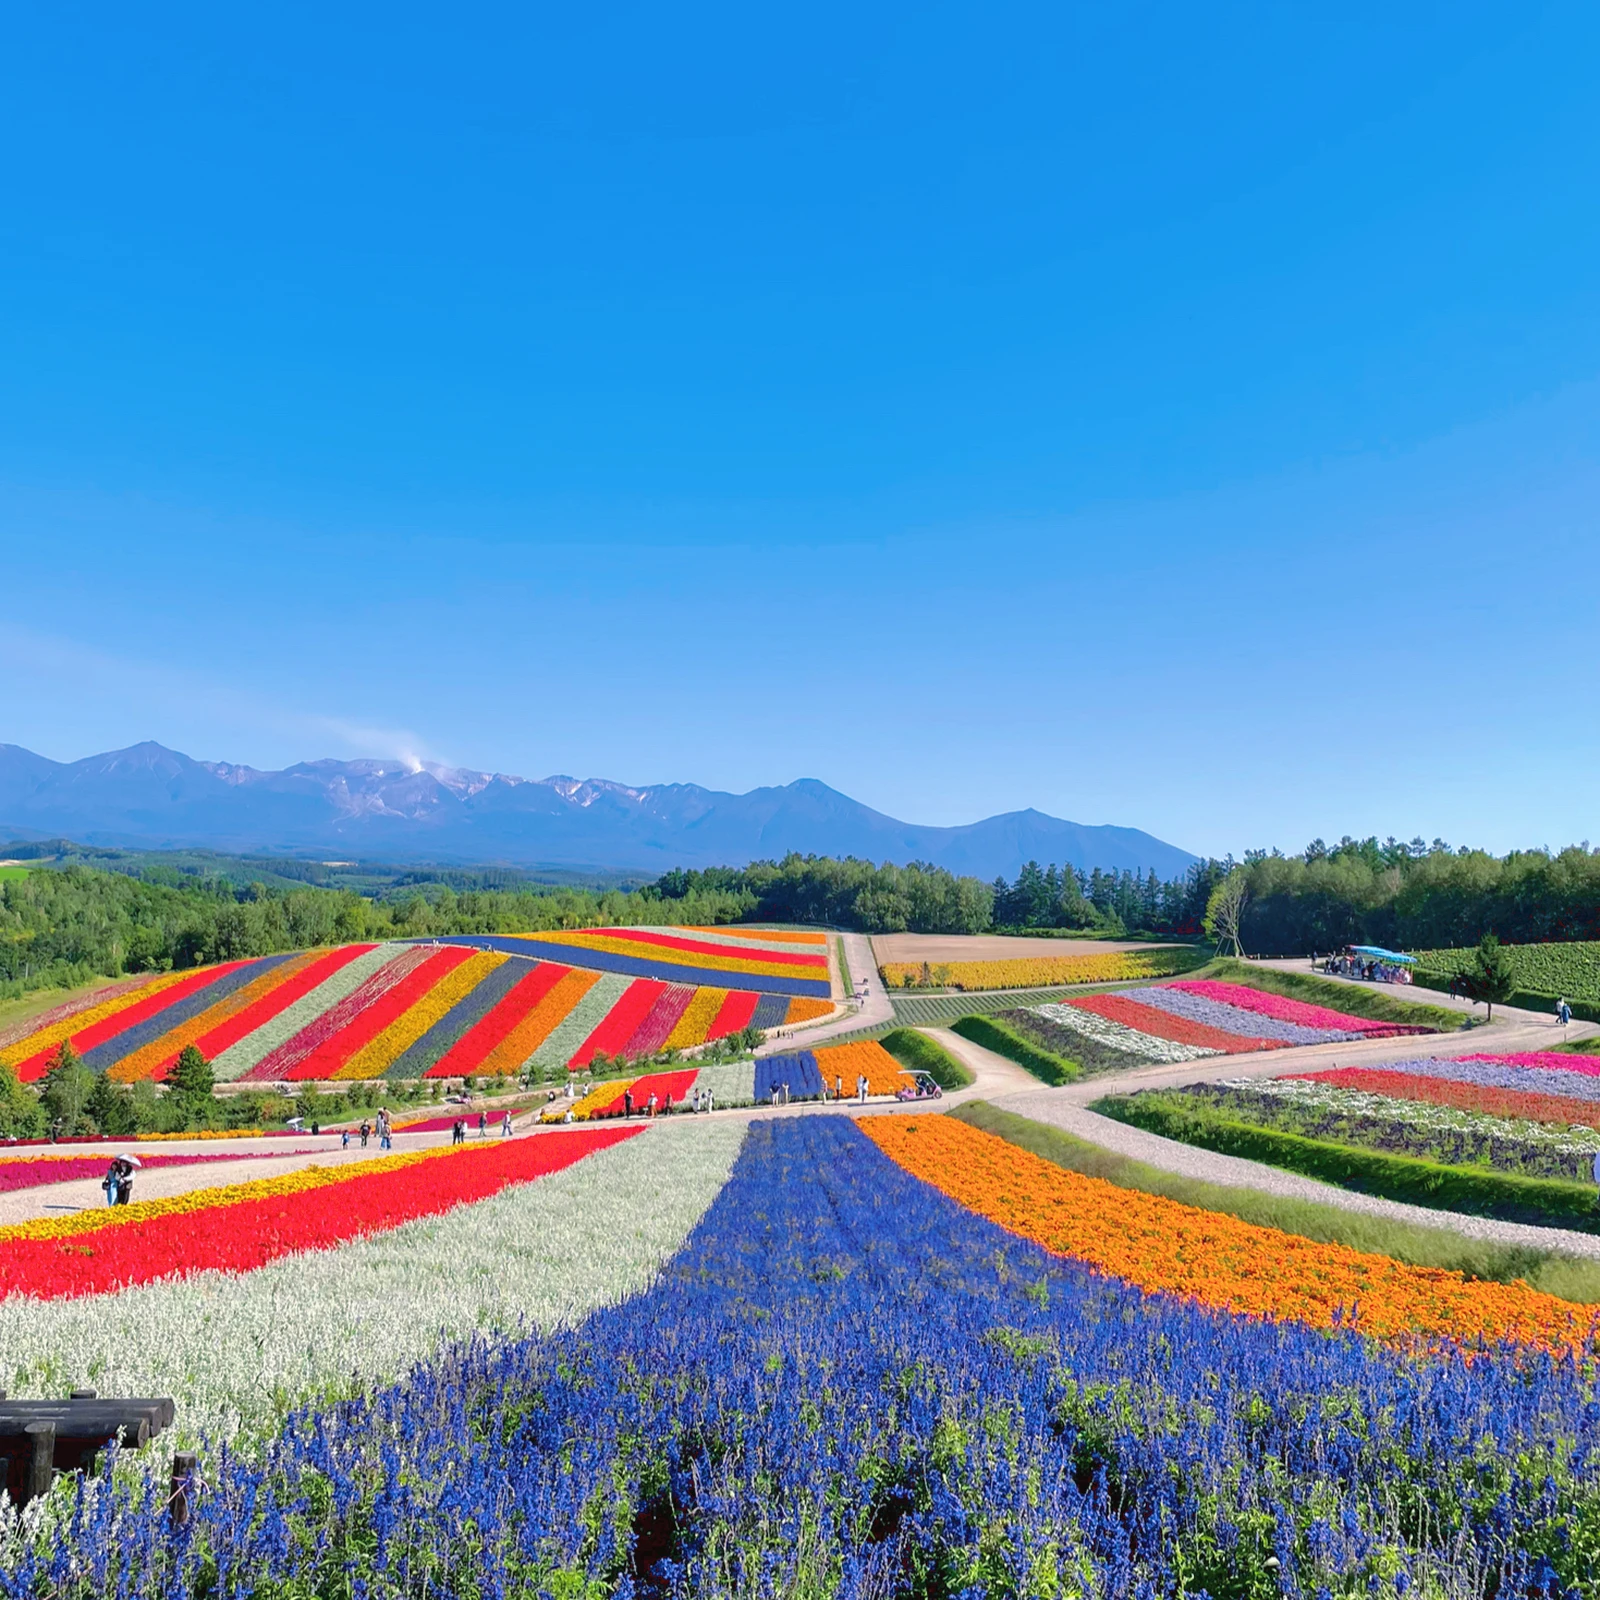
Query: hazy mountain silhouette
{"type": "Point", "coordinates": [151, 797]}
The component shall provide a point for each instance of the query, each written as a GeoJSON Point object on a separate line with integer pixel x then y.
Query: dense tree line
{"type": "Point", "coordinates": [61, 926]}
{"type": "Point", "coordinates": [1111, 903]}
{"type": "Point", "coordinates": [847, 894]}
{"type": "Point", "coordinates": [1416, 896]}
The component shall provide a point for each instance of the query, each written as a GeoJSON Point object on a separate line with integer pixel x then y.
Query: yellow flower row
{"type": "Point", "coordinates": [1043, 972]}
{"type": "Point", "coordinates": [375, 1057]}
{"type": "Point", "coordinates": [701, 1013]}
{"type": "Point", "coordinates": [227, 1194]}
{"type": "Point", "coordinates": [602, 1094]}
{"type": "Point", "coordinates": [752, 965]}
{"type": "Point", "coordinates": [79, 1020]}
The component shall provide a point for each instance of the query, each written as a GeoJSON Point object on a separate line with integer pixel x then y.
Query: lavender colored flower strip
{"type": "Point", "coordinates": [1496, 1075]}
{"type": "Point", "coordinates": [1233, 1019]}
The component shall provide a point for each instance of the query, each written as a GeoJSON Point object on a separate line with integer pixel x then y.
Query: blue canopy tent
{"type": "Point", "coordinates": [1375, 952]}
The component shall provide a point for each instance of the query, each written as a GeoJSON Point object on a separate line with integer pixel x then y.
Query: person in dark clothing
{"type": "Point", "coordinates": [366, 1129]}
{"type": "Point", "coordinates": [627, 1102]}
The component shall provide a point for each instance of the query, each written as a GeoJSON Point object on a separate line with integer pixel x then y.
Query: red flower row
{"type": "Point", "coordinates": [1166, 1025]}
{"type": "Point", "coordinates": [248, 1234]}
{"type": "Point", "coordinates": [1564, 1109]}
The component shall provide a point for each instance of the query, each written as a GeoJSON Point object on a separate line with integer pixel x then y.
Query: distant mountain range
{"type": "Point", "coordinates": [153, 798]}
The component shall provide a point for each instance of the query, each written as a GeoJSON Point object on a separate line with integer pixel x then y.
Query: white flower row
{"type": "Point", "coordinates": [256, 1046]}
{"type": "Point", "coordinates": [1120, 1037]}
{"type": "Point", "coordinates": [236, 1351]}
{"type": "Point", "coordinates": [565, 1040]}
{"type": "Point", "coordinates": [1338, 1101]}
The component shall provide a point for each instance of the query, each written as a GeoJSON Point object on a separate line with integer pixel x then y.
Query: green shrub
{"type": "Point", "coordinates": [1003, 1041]}
{"type": "Point", "coordinates": [917, 1052]}
{"type": "Point", "coordinates": [1544, 1201]}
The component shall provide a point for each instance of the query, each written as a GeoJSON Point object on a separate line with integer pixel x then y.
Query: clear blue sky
{"type": "Point", "coordinates": [1176, 416]}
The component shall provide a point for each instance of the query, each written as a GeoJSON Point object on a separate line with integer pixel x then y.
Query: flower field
{"type": "Point", "coordinates": [793, 964]}
{"type": "Point", "coordinates": [827, 1072]}
{"type": "Point", "coordinates": [453, 1009]}
{"type": "Point", "coordinates": [1046, 972]}
{"type": "Point", "coordinates": [1189, 1021]}
{"type": "Point", "coordinates": [818, 1357]}
{"type": "Point", "coordinates": [1456, 1135]}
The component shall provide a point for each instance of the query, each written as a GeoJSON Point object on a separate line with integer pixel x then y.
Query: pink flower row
{"type": "Point", "coordinates": [1297, 1011]}
{"type": "Point", "coordinates": [1549, 1060]}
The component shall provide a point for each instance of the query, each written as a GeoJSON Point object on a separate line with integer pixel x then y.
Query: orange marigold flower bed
{"type": "Point", "coordinates": [1166, 1246]}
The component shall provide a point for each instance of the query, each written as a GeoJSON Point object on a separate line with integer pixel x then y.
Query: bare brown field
{"type": "Point", "coordinates": [887, 947]}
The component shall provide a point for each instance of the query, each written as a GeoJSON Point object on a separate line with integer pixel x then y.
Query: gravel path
{"type": "Point", "coordinates": [874, 1012]}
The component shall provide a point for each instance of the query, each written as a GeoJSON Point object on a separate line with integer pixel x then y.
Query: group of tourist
{"type": "Point", "coordinates": [1350, 965]}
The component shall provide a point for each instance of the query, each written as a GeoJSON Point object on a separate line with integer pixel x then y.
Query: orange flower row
{"type": "Point", "coordinates": [1163, 1245]}
{"type": "Point", "coordinates": [866, 1058]}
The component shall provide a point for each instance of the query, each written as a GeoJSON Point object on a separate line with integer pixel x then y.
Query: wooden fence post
{"type": "Point", "coordinates": [82, 1394]}
{"type": "Point", "coordinates": [41, 1465]}
{"type": "Point", "coordinates": [185, 1463]}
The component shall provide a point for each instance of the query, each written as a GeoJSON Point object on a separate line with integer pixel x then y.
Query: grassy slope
{"type": "Point", "coordinates": [844, 969]}
{"type": "Point", "coordinates": [38, 1001]}
{"type": "Point", "coordinates": [1345, 997]}
{"type": "Point", "coordinates": [1567, 1277]}
{"type": "Point", "coordinates": [922, 1054]}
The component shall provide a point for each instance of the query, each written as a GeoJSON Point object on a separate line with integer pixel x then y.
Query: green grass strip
{"type": "Point", "coordinates": [919, 1053]}
{"type": "Point", "coordinates": [844, 968]}
{"type": "Point", "coordinates": [1004, 1041]}
{"type": "Point", "coordinates": [1545, 1202]}
{"type": "Point", "coordinates": [1565, 1276]}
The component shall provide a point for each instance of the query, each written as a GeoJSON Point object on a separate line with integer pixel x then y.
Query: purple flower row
{"type": "Point", "coordinates": [1496, 1075]}
{"type": "Point", "coordinates": [1233, 1019]}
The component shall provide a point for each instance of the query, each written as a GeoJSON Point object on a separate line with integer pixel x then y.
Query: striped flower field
{"type": "Point", "coordinates": [1190, 1020]}
{"type": "Point", "coordinates": [470, 1007]}
{"type": "Point", "coordinates": [665, 1360]}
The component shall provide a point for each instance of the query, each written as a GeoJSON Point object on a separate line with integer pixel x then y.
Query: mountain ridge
{"type": "Point", "coordinates": [147, 796]}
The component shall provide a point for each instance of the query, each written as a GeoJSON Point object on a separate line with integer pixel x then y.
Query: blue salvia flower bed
{"type": "Point", "coordinates": [846, 1385]}
{"type": "Point", "coordinates": [798, 1069]}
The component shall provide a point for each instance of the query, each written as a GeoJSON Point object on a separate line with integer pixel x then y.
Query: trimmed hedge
{"type": "Point", "coordinates": [1544, 1201]}
{"type": "Point", "coordinates": [919, 1053]}
{"type": "Point", "coordinates": [998, 1037]}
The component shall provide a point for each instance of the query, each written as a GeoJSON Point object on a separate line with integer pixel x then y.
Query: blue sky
{"type": "Point", "coordinates": [1179, 417]}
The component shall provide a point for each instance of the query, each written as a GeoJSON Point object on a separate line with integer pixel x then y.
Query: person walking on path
{"type": "Point", "coordinates": [650, 1106]}
{"type": "Point", "coordinates": [505, 1126]}
{"type": "Point", "coordinates": [1563, 1011]}
{"type": "Point", "coordinates": [627, 1103]}
{"type": "Point", "coordinates": [861, 1088]}
{"type": "Point", "coordinates": [838, 1086]}
{"type": "Point", "coordinates": [366, 1129]}
{"type": "Point", "coordinates": [483, 1124]}
{"type": "Point", "coordinates": [344, 1138]}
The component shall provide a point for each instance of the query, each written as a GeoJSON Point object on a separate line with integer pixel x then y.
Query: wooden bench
{"type": "Point", "coordinates": [39, 1438]}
